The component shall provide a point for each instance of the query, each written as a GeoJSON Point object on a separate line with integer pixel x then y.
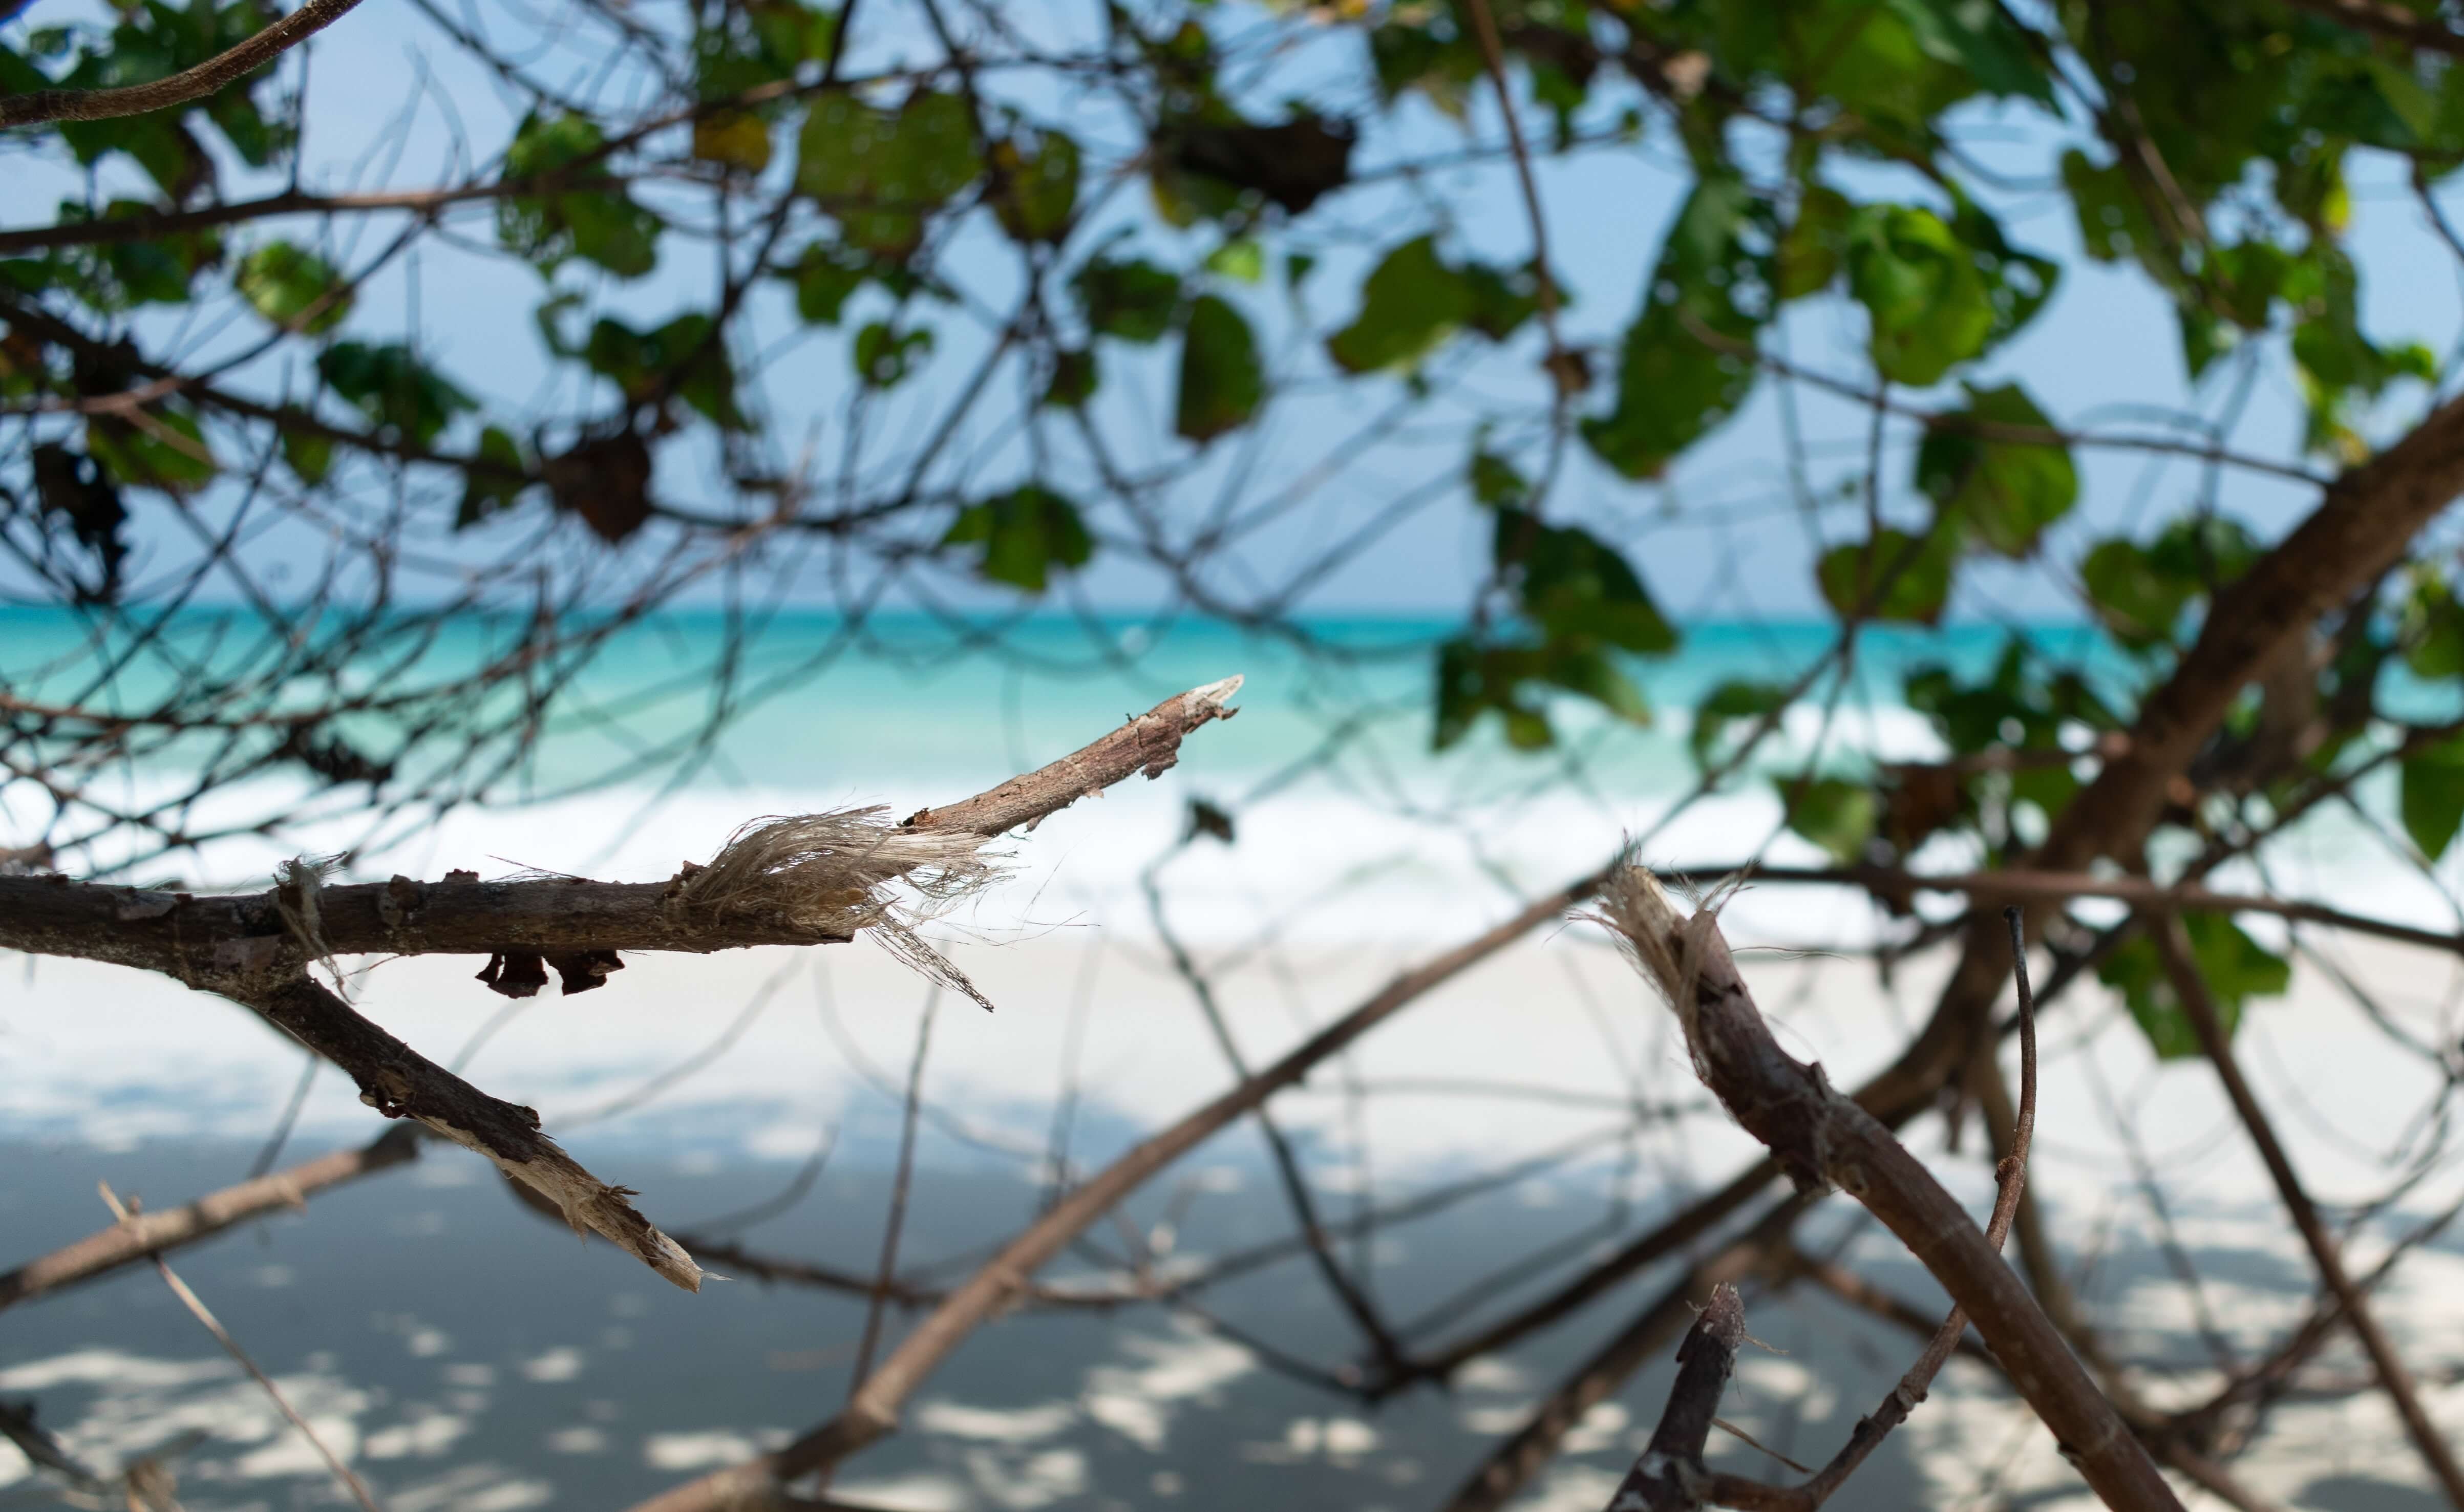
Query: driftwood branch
{"type": "Point", "coordinates": [207, 77]}
{"type": "Point", "coordinates": [750, 894]}
{"type": "Point", "coordinates": [810, 880]}
{"type": "Point", "coordinates": [2190, 989]}
{"type": "Point", "coordinates": [2010, 1178]}
{"type": "Point", "coordinates": [150, 1233]}
{"type": "Point", "coordinates": [1820, 1136]}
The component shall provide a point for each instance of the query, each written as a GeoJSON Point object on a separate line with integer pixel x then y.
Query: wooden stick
{"type": "Point", "coordinates": [1820, 1136]}
{"type": "Point", "coordinates": [150, 1233]}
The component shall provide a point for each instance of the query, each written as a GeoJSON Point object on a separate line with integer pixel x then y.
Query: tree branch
{"type": "Point", "coordinates": [792, 881]}
{"type": "Point", "coordinates": [149, 1234]}
{"type": "Point", "coordinates": [182, 934]}
{"type": "Point", "coordinates": [2190, 989]}
{"type": "Point", "coordinates": [874, 1412]}
{"type": "Point", "coordinates": [1818, 1136]}
{"type": "Point", "coordinates": [2010, 1178]}
{"type": "Point", "coordinates": [206, 79]}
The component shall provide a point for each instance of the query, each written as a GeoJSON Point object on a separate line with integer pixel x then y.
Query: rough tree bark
{"type": "Point", "coordinates": [777, 883]}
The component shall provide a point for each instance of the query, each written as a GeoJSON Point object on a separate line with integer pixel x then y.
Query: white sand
{"type": "Point", "coordinates": [90, 1052]}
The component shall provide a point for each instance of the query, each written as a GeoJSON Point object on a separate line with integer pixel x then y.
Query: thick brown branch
{"type": "Point", "coordinates": [2010, 1175]}
{"type": "Point", "coordinates": [2190, 989]}
{"type": "Point", "coordinates": [149, 1234]}
{"type": "Point", "coordinates": [1820, 1136]}
{"type": "Point", "coordinates": [184, 934]}
{"type": "Point", "coordinates": [799, 881]}
{"type": "Point", "coordinates": [196, 83]}
{"type": "Point", "coordinates": [400, 1082]}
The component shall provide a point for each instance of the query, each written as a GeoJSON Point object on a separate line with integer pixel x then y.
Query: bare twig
{"type": "Point", "coordinates": [150, 1233]}
{"type": "Point", "coordinates": [1820, 1136]}
{"type": "Point", "coordinates": [2191, 990]}
{"type": "Point", "coordinates": [875, 1410]}
{"type": "Point", "coordinates": [884, 1275]}
{"type": "Point", "coordinates": [196, 83]}
{"type": "Point", "coordinates": [1670, 1475]}
{"type": "Point", "coordinates": [196, 1306]}
{"type": "Point", "coordinates": [2011, 1176]}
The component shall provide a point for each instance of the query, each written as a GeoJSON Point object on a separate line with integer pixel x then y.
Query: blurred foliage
{"type": "Point", "coordinates": [1248, 248]}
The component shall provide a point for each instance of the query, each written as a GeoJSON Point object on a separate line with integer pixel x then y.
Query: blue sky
{"type": "Point", "coordinates": [391, 103]}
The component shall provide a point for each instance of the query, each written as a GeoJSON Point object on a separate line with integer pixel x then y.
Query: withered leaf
{"type": "Point", "coordinates": [1207, 819]}
{"type": "Point", "coordinates": [1921, 798]}
{"type": "Point", "coordinates": [581, 971]}
{"type": "Point", "coordinates": [74, 489]}
{"type": "Point", "coordinates": [515, 974]}
{"type": "Point", "coordinates": [1291, 164]}
{"type": "Point", "coordinates": [606, 481]}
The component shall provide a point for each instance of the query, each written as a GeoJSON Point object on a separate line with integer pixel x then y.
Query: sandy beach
{"type": "Point", "coordinates": [686, 1075]}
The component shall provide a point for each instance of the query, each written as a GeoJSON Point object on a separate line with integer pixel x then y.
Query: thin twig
{"type": "Point", "coordinates": [190, 84]}
{"type": "Point", "coordinates": [886, 1273]}
{"type": "Point", "coordinates": [2191, 990]}
{"type": "Point", "coordinates": [196, 1305]}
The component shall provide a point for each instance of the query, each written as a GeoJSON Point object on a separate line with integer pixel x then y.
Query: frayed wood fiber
{"type": "Point", "coordinates": [832, 872]}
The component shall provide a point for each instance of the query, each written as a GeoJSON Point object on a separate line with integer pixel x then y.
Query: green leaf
{"type": "Point", "coordinates": [2137, 604]}
{"type": "Point", "coordinates": [884, 354]}
{"type": "Point", "coordinates": [1494, 480]}
{"type": "Point", "coordinates": [1513, 682]}
{"type": "Point", "coordinates": [1673, 386]}
{"type": "Point", "coordinates": [1039, 186]}
{"type": "Point", "coordinates": [2007, 492]}
{"type": "Point", "coordinates": [2140, 592]}
{"type": "Point", "coordinates": [1927, 299]}
{"type": "Point", "coordinates": [487, 489]}
{"type": "Point", "coordinates": [612, 231]}
{"type": "Point", "coordinates": [1024, 535]}
{"type": "Point", "coordinates": [1242, 259]}
{"type": "Point", "coordinates": [1221, 381]}
{"type": "Point", "coordinates": [679, 357]}
{"type": "Point", "coordinates": [1409, 305]}
{"type": "Point", "coordinates": [826, 277]}
{"type": "Point", "coordinates": [164, 450]}
{"type": "Point", "coordinates": [2431, 630]}
{"type": "Point", "coordinates": [1978, 39]}
{"type": "Point", "coordinates": [1833, 812]}
{"type": "Point", "coordinates": [1074, 380]}
{"type": "Point", "coordinates": [2112, 220]}
{"type": "Point", "coordinates": [1577, 589]}
{"type": "Point", "coordinates": [311, 457]}
{"type": "Point", "coordinates": [603, 226]}
{"type": "Point", "coordinates": [1734, 700]}
{"type": "Point", "coordinates": [407, 400]}
{"type": "Point", "coordinates": [2431, 796]}
{"type": "Point", "coordinates": [1810, 253]}
{"type": "Point", "coordinates": [284, 282]}
{"type": "Point", "coordinates": [1132, 300]}
{"type": "Point", "coordinates": [2235, 967]}
{"type": "Point", "coordinates": [1502, 300]}
{"type": "Point", "coordinates": [880, 172]}
{"type": "Point", "coordinates": [738, 138]}
{"type": "Point", "coordinates": [1894, 576]}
